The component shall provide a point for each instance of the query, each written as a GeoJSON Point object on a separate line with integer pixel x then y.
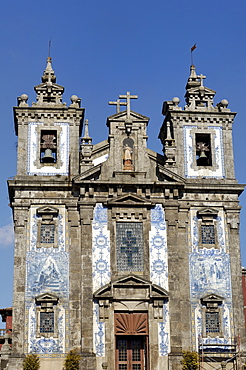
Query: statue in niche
{"type": "Point", "coordinates": [128, 154]}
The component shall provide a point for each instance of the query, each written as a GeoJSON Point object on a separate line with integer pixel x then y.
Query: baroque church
{"type": "Point", "coordinates": [124, 254]}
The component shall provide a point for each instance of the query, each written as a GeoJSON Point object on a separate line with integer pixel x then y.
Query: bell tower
{"type": "Point", "coordinates": [197, 141]}
{"type": "Point", "coordinates": [48, 131]}
{"type": "Point", "coordinates": [40, 194]}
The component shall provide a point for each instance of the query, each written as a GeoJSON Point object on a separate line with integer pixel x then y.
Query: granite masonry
{"type": "Point", "coordinates": [127, 255]}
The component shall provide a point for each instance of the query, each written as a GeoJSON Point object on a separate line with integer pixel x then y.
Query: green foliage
{"type": "Point", "coordinates": [31, 362]}
{"type": "Point", "coordinates": [72, 360]}
{"type": "Point", "coordinates": [190, 360]}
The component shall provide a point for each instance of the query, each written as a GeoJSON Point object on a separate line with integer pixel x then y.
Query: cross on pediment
{"type": "Point", "coordinates": [202, 77]}
{"type": "Point", "coordinates": [130, 246]}
{"type": "Point", "coordinates": [118, 103]}
{"type": "Point", "coordinates": [128, 98]}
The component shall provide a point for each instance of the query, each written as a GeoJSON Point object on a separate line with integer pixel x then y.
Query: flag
{"type": "Point", "coordinates": [193, 47]}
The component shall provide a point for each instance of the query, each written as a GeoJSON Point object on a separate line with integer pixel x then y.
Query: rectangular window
{"type": "Point", "coordinates": [212, 322]}
{"type": "Point", "coordinates": [203, 150]}
{"type": "Point", "coordinates": [47, 233]}
{"type": "Point", "coordinates": [129, 246]}
{"type": "Point", "coordinates": [46, 322]}
{"type": "Point", "coordinates": [208, 234]}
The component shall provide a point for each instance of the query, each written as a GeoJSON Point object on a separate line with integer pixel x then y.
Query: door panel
{"type": "Point", "coordinates": [130, 353]}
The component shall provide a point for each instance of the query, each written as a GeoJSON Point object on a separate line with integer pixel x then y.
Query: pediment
{"type": "Point", "coordinates": [207, 213]}
{"type": "Point", "coordinates": [46, 298]}
{"type": "Point", "coordinates": [196, 90]}
{"type": "Point", "coordinates": [131, 282]}
{"type": "Point", "coordinates": [129, 199]}
{"type": "Point", "coordinates": [212, 298]}
{"type": "Point", "coordinates": [47, 210]}
{"type": "Point", "coordinates": [122, 116]}
{"type": "Point", "coordinates": [43, 86]}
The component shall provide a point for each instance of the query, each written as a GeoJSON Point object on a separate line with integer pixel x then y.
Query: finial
{"type": "Point", "coordinates": [49, 75]}
{"type": "Point", "coordinates": [192, 79]}
{"type": "Point", "coordinates": [86, 139]}
{"type": "Point", "coordinates": [193, 71]}
{"type": "Point", "coordinates": [48, 92]}
{"type": "Point", "coordinates": [85, 148]}
{"type": "Point", "coordinates": [86, 132]}
{"type": "Point", "coordinates": [169, 136]}
{"type": "Point", "coordinates": [75, 101]}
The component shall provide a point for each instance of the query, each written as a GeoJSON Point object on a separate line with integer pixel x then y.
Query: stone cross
{"type": "Point", "coordinates": [118, 103]}
{"type": "Point", "coordinates": [130, 246]}
{"type": "Point", "coordinates": [201, 78]}
{"type": "Point", "coordinates": [128, 98]}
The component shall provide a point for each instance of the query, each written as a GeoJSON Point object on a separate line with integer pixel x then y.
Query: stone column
{"type": "Point", "coordinates": [88, 361]}
{"type": "Point", "coordinates": [171, 213]}
{"type": "Point", "coordinates": [20, 223]}
{"type": "Point", "coordinates": [74, 277]}
{"type": "Point", "coordinates": [236, 272]}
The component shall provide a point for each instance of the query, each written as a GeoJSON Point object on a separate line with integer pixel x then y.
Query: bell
{"type": "Point", "coordinates": [48, 157]}
{"type": "Point", "coordinates": [202, 154]}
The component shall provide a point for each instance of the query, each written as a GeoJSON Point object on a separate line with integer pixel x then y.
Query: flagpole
{"type": "Point", "coordinates": [49, 47]}
{"type": "Point", "coordinates": [191, 51]}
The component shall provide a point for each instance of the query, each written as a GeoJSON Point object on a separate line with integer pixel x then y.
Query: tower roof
{"type": "Point", "coordinates": [48, 92]}
{"type": "Point", "coordinates": [198, 97]}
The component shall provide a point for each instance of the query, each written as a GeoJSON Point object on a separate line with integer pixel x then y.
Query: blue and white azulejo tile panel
{"type": "Point", "coordinates": [221, 231]}
{"type": "Point", "coordinates": [210, 273]}
{"type": "Point", "coordinates": [99, 332]}
{"type": "Point", "coordinates": [46, 346]}
{"type": "Point", "coordinates": [101, 270]}
{"type": "Point", "coordinates": [47, 271]}
{"type": "Point", "coordinates": [100, 247]}
{"type": "Point", "coordinates": [159, 270]}
{"type": "Point", "coordinates": [60, 230]}
{"type": "Point", "coordinates": [164, 332]}
{"type": "Point", "coordinates": [158, 248]}
{"type": "Point", "coordinates": [34, 150]}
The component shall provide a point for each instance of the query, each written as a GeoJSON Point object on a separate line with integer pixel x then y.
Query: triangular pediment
{"type": "Point", "coordinates": [122, 116]}
{"type": "Point", "coordinates": [196, 90]}
{"type": "Point", "coordinates": [131, 282]}
{"type": "Point", "coordinates": [47, 297]}
{"type": "Point", "coordinates": [207, 212]}
{"type": "Point", "coordinates": [129, 199]}
{"type": "Point", "coordinates": [43, 86]}
{"type": "Point", "coordinates": [212, 298]}
{"type": "Point", "coordinates": [47, 210]}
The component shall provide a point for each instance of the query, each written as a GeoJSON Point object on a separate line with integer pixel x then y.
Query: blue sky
{"type": "Point", "coordinates": [103, 48]}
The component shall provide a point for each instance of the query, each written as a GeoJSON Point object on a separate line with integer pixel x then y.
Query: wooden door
{"type": "Point", "coordinates": [131, 332]}
{"type": "Point", "coordinates": [130, 353]}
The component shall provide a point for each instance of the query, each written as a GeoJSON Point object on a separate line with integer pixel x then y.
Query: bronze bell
{"type": "Point", "coordinates": [48, 157]}
{"type": "Point", "coordinates": [202, 154]}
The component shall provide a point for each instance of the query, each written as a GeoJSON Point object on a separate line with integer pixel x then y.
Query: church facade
{"type": "Point", "coordinates": [126, 255]}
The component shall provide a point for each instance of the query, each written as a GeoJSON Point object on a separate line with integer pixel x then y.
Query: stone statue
{"type": "Point", "coordinates": [127, 158]}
